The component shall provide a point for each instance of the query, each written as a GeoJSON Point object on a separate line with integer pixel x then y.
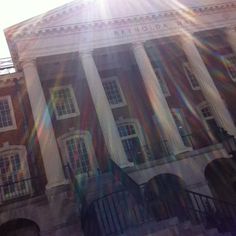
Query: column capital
{"type": "Point", "coordinates": [86, 53]}
{"type": "Point", "coordinates": [25, 62]}
{"type": "Point", "coordinates": [138, 44]}
{"type": "Point", "coordinates": [230, 29]}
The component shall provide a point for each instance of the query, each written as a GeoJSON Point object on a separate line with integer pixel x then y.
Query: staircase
{"type": "Point", "coordinates": [120, 214]}
{"type": "Point", "coordinates": [124, 211]}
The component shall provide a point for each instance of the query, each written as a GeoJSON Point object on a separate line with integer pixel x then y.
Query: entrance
{"type": "Point", "coordinates": [166, 197]}
{"type": "Point", "coordinates": [221, 177]}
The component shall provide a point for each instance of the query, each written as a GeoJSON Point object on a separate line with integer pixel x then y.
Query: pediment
{"type": "Point", "coordinates": [90, 11]}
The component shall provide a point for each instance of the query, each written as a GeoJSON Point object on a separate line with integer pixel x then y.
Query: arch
{"type": "Point", "coordinates": [20, 227]}
{"type": "Point", "coordinates": [166, 197]}
{"type": "Point", "coordinates": [221, 177]}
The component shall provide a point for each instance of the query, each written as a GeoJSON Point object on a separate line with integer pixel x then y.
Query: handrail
{"type": "Point", "coordinates": [21, 189]}
{"type": "Point", "coordinates": [125, 179]}
{"type": "Point", "coordinates": [113, 213]}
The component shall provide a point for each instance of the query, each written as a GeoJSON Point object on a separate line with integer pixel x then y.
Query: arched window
{"type": "Point", "coordinates": [14, 173]}
{"type": "Point", "coordinates": [133, 141]}
{"type": "Point", "coordinates": [78, 152]}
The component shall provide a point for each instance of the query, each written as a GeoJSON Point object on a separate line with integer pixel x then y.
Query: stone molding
{"type": "Point", "coordinates": [26, 31]}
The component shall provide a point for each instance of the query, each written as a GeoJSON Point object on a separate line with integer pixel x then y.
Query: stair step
{"type": "Point", "coordinates": [212, 232]}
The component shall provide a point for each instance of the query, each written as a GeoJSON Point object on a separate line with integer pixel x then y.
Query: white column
{"type": "Point", "coordinates": [42, 124]}
{"type": "Point", "coordinates": [103, 110]}
{"type": "Point", "coordinates": [158, 100]}
{"type": "Point", "coordinates": [231, 37]}
{"type": "Point", "coordinates": [207, 86]}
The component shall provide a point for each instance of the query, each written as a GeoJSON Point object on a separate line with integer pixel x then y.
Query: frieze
{"type": "Point", "coordinates": [98, 25]}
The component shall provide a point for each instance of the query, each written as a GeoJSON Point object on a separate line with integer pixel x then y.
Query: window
{"type": "Point", "coordinates": [113, 92]}
{"type": "Point", "coordinates": [209, 121]}
{"type": "Point", "coordinates": [13, 175]}
{"type": "Point", "coordinates": [206, 112]}
{"type": "Point", "coordinates": [162, 82]}
{"type": "Point", "coordinates": [7, 117]}
{"type": "Point", "coordinates": [131, 141]}
{"type": "Point", "coordinates": [190, 76]}
{"type": "Point", "coordinates": [182, 126]}
{"type": "Point", "coordinates": [78, 152]}
{"type": "Point", "coordinates": [230, 64]}
{"type": "Point", "coordinates": [64, 102]}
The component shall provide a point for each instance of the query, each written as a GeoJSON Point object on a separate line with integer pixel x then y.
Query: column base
{"type": "Point", "coordinates": [50, 186]}
{"type": "Point", "coordinates": [182, 150]}
{"type": "Point", "coordinates": [125, 165]}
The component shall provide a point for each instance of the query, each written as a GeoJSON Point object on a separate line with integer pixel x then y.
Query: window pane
{"type": "Point", "coordinates": [230, 63]}
{"type": "Point", "coordinates": [112, 91]}
{"type": "Point", "coordinates": [5, 114]}
{"type": "Point", "coordinates": [63, 101]}
{"type": "Point", "coordinates": [78, 155]}
{"type": "Point", "coordinates": [190, 75]}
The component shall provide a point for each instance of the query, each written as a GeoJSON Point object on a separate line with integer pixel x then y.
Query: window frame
{"type": "Point", "coordinates": [225, 59]}
{"type": "Point", "coordinates": [116, 80]}
{"type": "Point", "coordinates": [186, 66]}
{"type": "Point", "coordinates": [179, 114]}
{"type": "Point", "coordinates": [21, 151]}
{"type": "Point", "coordinates": [92, 159]}
{"type": "Point", "coordinates": [12, 114]}
{"type": "Point", "coordinates": [138, 134]}
{"type": "Point", "coordinates": [160, 78]}
{"type": "Point", "coordinates": [65, 116]}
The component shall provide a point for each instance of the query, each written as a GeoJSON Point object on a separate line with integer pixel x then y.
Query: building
{"type": "Point", "coordinates": [115, 109]}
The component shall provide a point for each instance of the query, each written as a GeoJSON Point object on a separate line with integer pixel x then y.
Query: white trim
{"type": "Point", "coordinates": [13, 126]}
{"type": "Point", "coordinates": [161, 79]}
{"type": "Point", "coordinates": [89, 146]}
{"type": "Point", "coordinates": [225, 59]}
{"type": "Point", "coordinates": [204, 119]}
{"type": "Point", "coordinates": [139, 133]}
{"type": "Point", "coordinates": [187, 66]}
{"type": "Point", "coordinates": [116, 80]}
{"type": "Point", "coordinates": [66, 116]}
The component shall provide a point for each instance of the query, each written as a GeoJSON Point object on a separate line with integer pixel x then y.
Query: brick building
{"type": "Point", "coordinates": [111, 107]}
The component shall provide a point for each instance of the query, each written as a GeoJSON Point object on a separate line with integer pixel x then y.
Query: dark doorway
{"type": "Point", "coordinates": [166, 197]}
{"type": "Point", "coordinates": [221, 176]}
{"type": "Point", "coordinates": [20, 227]}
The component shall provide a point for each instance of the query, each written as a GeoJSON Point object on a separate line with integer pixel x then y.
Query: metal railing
{"type": "Point", "coordinates": [22, 189]}
{"type": "Point", "coordinates": [114, 213]}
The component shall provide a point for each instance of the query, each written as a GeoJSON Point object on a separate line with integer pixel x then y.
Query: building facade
{"type": "Point", "coordinates": [144, 85]}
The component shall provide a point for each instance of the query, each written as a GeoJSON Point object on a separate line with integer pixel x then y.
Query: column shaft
{"type": "Point", "coordinates": [231, 37]}
{"type": "Point", "coordinates": [158, 101]}
{"type": "Point", "coordinates": [42, 123]}
{"type": "Point", "coordinates": [207, 86]}
{"type": "Point", "coordinates": [103, 110]}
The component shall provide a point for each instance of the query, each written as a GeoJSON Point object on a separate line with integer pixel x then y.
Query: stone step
{"type": "Point", "coordinates": [212, 232]}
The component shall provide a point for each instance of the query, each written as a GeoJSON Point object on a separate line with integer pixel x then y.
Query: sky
{"type": "Point", "coordinates": [15, 11]}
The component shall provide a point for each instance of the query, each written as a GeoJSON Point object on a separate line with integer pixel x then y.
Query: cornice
{"type": "Point", "coordinates": [37, 29]}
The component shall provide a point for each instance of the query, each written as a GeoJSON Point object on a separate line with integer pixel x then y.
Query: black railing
{"type": "Point", "coordinates": [125, 179]}
{"type": "Point", "coordinates": [21, 189]}
{"type": "Point", "coordinates": [113, 214]}
{"type": "Point", "coordinates": [116, 212]}
{"type": "Point", "coordinates": [196, 207]}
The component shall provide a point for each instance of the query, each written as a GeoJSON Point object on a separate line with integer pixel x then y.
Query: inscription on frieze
{"type": "Point", "coordinates": [152, 28]}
